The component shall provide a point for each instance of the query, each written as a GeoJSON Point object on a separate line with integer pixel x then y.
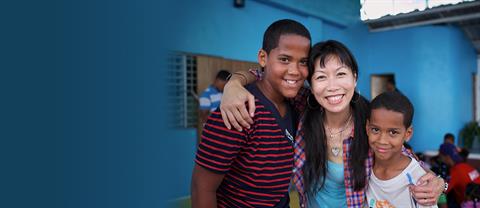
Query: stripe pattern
{"type": "Point", "coordinates": [257, 162]}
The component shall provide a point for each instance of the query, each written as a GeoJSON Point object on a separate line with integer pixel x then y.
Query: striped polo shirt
{"type": "Point", "coordinates": [257, 162]}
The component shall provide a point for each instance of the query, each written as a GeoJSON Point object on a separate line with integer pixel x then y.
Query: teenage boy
{"type": "Point", "coordinates": [252, 168]}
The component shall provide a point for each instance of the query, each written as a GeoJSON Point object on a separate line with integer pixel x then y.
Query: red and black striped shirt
{"type": "Point", "coordinates": [257, 162]}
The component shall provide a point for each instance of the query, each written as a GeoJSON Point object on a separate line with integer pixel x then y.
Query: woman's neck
{"type": "Point", "coordinates": [338, 120]}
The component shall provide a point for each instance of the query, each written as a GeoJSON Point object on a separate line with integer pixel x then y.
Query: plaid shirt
{"type": "Point", "coordinates": [354, 198]}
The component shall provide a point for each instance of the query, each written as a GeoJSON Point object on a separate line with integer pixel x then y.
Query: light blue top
{"type": "Point", "coordinates": [210, 99]}
{"type": "Point", "coordinates": [333, 192]}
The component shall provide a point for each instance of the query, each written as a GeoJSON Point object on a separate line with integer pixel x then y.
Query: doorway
{"type": "Point", "coordinates": [378, 83]}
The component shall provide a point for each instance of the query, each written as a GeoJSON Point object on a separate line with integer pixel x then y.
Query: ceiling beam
{"type": "Point", "coordinates": [428, 22]}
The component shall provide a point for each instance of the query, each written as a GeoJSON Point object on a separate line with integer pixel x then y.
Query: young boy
{"type": "Point", "coordinates": [388, 127]}
{"type": "Point", "coordinates": [252, 168]}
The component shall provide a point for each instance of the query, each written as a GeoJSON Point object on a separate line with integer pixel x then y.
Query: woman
{"type": "Point", "coordinates": [332, 157]}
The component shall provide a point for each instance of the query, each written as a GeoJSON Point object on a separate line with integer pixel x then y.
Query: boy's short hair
{"type": "Point", "coordinates": [222, 75]}
{"type": "Point", "coordinates": [449, 135]}
{"type": "Point", "coordinates": [282, 27]}
{"type": "Point", "coordinates": [396, 102]}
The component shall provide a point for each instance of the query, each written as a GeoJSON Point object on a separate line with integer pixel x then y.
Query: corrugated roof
{"type": "Point", "coordinates": [465, 15]}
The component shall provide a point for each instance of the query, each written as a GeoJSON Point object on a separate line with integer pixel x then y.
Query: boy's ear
{"type": "Point", "coordinates": [262, 57]}
{"type": "Point", "coordinates": [408, 133]}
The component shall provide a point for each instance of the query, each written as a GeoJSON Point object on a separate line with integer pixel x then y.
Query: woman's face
{"type": "Point", "coordinates": [333, 85]}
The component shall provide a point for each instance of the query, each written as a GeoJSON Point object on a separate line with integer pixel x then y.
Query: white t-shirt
{"type": "Point", "coordinates": [394, 192]}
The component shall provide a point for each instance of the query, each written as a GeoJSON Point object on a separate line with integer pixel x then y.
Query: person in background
{"type": "Point", "coordinates": [210, 98]}
{"type": "Point", "coordinates": [461, 174]}
{"type": "Point", "coordinates": [447, 152]}
{"type": "Point", "coordinates": [391, 85]}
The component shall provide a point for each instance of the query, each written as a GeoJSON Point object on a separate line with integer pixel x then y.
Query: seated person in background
{"type": "Point", "coordinates": [449, 139]}
{"type": "Point", "coordinates": [439, 162]}
{"type": "Point", "coordinates": [392, 86]}
{"type": "Point", "coordinates": [472, 196]}
{"type": "Point", "coordinates": [461, 174]}
{"type": "Point", "coordinates": [209, 100]}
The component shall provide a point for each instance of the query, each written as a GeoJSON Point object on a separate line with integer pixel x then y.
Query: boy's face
{"type": "Point", "coordinates": [449, 140]}
{"type": "Point", "coordinates": [220, 84]}
{"type": "Point", "coordinates": [286, 65]}
{"type": "Point", "coordinates": [386, 133]}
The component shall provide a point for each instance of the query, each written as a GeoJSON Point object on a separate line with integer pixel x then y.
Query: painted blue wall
{"type": "Point", "coordinates": [218, 28]}
{"type": "Point", "coordinates": [433, 66]}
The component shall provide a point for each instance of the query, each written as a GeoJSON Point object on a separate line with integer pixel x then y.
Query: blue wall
{"type": "Point", "coordinates": [218, 28]}
{"type": "Point", "coordinates": [433, 66]}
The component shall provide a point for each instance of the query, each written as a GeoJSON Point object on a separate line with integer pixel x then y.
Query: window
{"type": "Point", "coordinates": [188, 75]}
{"type": "Point", "coordinates": [182, 85]}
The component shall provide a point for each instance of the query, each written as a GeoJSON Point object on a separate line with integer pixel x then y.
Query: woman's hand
{"type": "Point", "coordinates": [233, 108]}
{"type": "Point", "coordinates": [428, 189]}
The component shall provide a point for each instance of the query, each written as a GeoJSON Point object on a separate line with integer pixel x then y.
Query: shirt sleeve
{"type": "Point", "coordinates": [258, 73]}
{"type": "Point", "coordinates": [410, 154]}
{"type": "Point", "coordinates": [300, 100]}
{"type": "Point", "coordinates": [454, 179]}
{"type": "Point", "coordinates": [219, 146]}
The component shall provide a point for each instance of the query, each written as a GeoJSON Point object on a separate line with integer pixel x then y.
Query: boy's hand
{"type": "Point", "coordinates": [428, 189]}
{"type": "Point", "coordinates": [232, 106]}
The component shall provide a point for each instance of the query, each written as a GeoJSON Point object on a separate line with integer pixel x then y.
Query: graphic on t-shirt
{"type": "Point", "coordinates": [473, 175]}
{"type": "Point", "coordinates": [380, 204]}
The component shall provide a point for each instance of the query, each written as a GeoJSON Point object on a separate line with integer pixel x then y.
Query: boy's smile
{"type": "Point", "coordinates": [386, 134]}
{"type": "Point", "coordinates": [285, 66]}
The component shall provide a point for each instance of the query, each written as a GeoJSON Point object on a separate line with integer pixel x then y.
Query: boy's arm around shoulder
{"type": "Point", "coordinates": [234, 111]}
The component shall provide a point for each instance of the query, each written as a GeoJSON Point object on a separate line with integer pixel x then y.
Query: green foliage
{"type": "Point", "coordinates": [469, 132]}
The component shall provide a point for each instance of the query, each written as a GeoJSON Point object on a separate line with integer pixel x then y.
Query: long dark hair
{"type": "Point", "coordinates": [315, 168]}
